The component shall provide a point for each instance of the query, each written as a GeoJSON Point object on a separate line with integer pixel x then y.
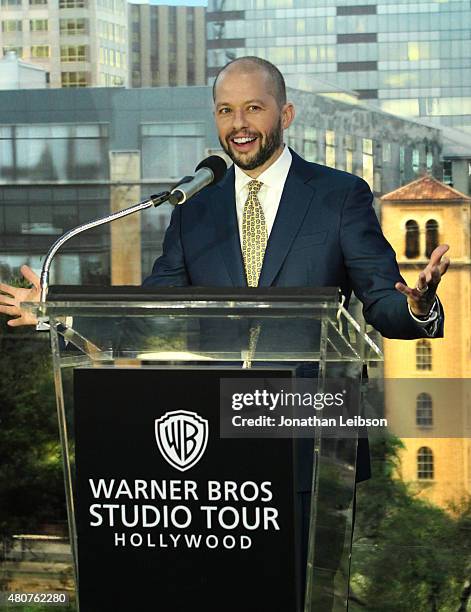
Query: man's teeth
{"type": "Point", "coordinates": [243, 140]}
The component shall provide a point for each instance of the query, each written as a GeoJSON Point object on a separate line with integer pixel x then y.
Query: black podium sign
{"type": "Point", "coordinates": [170, 517]}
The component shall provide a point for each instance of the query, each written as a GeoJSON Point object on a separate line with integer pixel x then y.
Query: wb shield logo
{"type": "Point", "coordinates": [182, 438]}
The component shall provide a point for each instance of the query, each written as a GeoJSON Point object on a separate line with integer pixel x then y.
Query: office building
{"type": "Point", "coordinates": [78, 42]}
{"type": "Point", "coordinates": [412, 59]}
{"type": "Point", "coordinates": [167, 45]}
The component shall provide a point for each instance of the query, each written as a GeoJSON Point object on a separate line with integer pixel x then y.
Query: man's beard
{"type": "Point", "coordinates": [267, 149]}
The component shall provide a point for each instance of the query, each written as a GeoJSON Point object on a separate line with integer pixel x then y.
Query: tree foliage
{"type": "Point", "coordinates": [408, 554]}
{"type": "Point", "coordinates": [31, 482]}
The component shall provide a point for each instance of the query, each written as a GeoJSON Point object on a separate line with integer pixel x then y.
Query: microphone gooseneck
{"type": "Point", "coordinates": [153, 200]}
{"type": "Point", "coordinates": [209, 171]}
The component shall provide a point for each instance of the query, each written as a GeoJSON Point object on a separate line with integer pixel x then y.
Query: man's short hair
{"type": "Point", "coordinates": [251, 64]}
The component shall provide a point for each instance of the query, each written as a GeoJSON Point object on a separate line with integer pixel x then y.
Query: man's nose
{"type": "Point", "coordinates": [239, 121]}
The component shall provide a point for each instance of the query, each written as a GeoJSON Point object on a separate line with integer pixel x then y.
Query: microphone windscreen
{"type": "Point", "coordinates": [217, 166]}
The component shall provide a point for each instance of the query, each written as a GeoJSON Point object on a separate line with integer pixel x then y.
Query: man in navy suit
{"type": "Point", "coordinates": [322, 229]}
{"type": "Point", "coordinates": [320, 223]}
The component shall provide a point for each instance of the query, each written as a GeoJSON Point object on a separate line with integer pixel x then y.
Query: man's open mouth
{"type": "Point", "coordinates": [244, 139]}
{"type": "Point", "coordinates": [244, 144]}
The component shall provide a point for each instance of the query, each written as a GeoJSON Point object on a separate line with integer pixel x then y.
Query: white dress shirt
{"type": "Point", "coordinates": [269, 196]}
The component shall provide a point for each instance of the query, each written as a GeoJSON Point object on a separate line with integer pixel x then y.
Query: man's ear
{"type": "Point", "coordinates": [287, 115]}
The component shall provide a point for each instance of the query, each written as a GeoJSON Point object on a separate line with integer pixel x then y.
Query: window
{"type": "Point", "coordinates": [12, 25]}
{"type": "Point", "coordinates": [367, 146]}
{"type": "Point", "coordinates": [73, 26]}
{"type": "Point", "coordinates": [349, 147]}
{"type": "Point", "coordinates": [368, 165]}
{"type": "Point", "coordinates": [53, 152]}
{"type": "Point", "coordinates": [136, 78]}
{"type": "Point", "coordinates": [448, 173]}
{"type": "Point", "coordinates": [116, 81]}
{"type": "Point", "coordinates": [431, 236]}
{"type": "Point", "coordinates": [38, 25]}
{"type": "Point", "coordinates": [418, 51]}
{"type": "Point", "coordinates": [356, 38]}
{"type": "Point", "coordinates": [402, 159]}
{"type": "Point", "coordinates": [415, 161]}
{"type": "Point", "coordinates": [169, 148]}
{"type": "Point", "coordinates": [425, 468]}
{"type": "Point", "coordinates": [412, 239]}
{"type": "Point", "coordinates": [39, 51]}
{"type": "Point", "coordinates": [37, 2]}
{"type": "Point", "coordinates": [330, 148]}
{"type": "Point", "coordinates": [409, 106]}
{"type": "Point", "coordinates": [73, 53]}
{"type": "Point", "coordinates": [74, 79]}
{"type": "Point", "coordinates": [310, 144]}
{"type": "Point", "coordinates": [17, 50]}
{"type": "Point", "coordinates": [7, 3]}
{"type": "Point", "coordinates": [429, 161]}
{"type": "Point", "coordinates": [424, 410]}
{"type": "Point", "coordinates": [357, 10]}
{"type": "Point", "coordinates": [356, 66]}
{"type": "Point", "coordinates": [386, 152]}
{"type": "Point", "coordinates": [63, 4]}
{"type": "Point", "coordinates": [423, 355]}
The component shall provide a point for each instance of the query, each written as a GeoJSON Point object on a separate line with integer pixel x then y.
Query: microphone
{"type": "Point", "coordinates": [208, 172]}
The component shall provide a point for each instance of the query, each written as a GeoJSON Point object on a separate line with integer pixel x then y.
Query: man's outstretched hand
{"type": "Point", "coordinates": [422, 296]}
{"type": "Point", "coordinates": [11, 298]}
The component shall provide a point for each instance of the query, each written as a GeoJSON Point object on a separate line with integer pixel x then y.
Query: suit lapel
{"type": "Point", "coordinates": [294, 204]}
{"type": "Point", "coordinates": [227, 230]}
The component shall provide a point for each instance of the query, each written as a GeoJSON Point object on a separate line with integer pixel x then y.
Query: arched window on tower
{"type": "Point", "coordinates": [431, 236]}
{"type": "Point", "coordinates": [424, 410]}
{"type": "Point", "coordinates": [412, 239]}
{"type": "Point", "coordinates": [425, 467]}
{"type": "Point", "coordinates": [423, 355]}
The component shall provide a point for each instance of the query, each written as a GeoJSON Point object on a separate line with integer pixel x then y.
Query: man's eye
{"type": "Point", "coordinates": [254, 108]}
{"type": "Point", "coordinates": [224, 111]}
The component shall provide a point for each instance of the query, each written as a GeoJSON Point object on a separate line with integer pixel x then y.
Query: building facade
{"type": "Point", "coordinates": [78, 42]}
{"type": "Point", "coordinates": [427, 383]}
{"type": "Point", "coordinates": [167, 45]}
{"type": "Point", "coordinates": [412, 59]}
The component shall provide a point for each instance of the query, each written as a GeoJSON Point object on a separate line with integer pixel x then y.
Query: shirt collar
{"type": "Point", "coordinates": [274, 176]}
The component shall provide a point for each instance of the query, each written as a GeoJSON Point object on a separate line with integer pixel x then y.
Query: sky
{"type": "Point", "coordinates": [172, 2]}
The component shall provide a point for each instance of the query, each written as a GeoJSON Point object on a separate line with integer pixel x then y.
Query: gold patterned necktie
{"type": "Point", "coordinates": [254, 234]}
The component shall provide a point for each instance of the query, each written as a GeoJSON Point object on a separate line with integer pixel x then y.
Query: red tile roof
{"type": "Point", "coordinates": [425, 188]}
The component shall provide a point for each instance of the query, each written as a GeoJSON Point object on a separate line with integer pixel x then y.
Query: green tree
{"type": "Point", "coordinates": [31, 482]}
{"type": "Point", "coordinates": [408, 554]}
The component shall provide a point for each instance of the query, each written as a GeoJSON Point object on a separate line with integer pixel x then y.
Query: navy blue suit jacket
{"type": "Point", "coordinates": [325, 234]}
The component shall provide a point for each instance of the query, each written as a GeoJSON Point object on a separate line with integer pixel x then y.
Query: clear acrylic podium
{"type": "Point", "coordinates": [123, 356]}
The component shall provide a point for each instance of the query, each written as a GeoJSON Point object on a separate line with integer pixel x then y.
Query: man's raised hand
{"type": "Point", "coordinates": [11, 298]}
{"type": "Point", "coordinates": [422, 296]}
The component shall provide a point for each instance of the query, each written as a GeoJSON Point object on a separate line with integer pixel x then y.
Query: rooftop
{"type": "Point", "coordinates": [425, 188]}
